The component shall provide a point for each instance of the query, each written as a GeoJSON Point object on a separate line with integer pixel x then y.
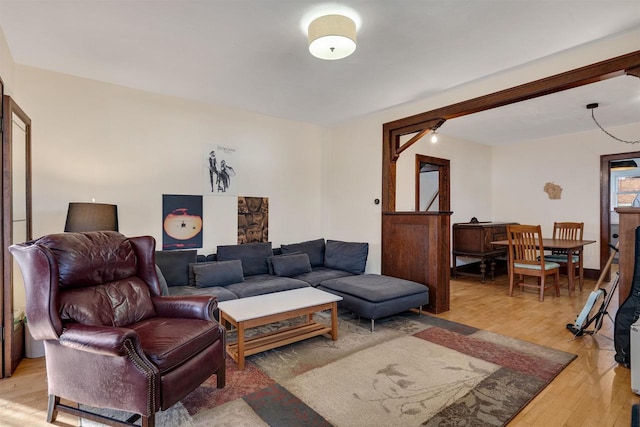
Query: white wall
{"type": "Point", "coordinates": [7, 65]}
{"type": "Point", "coordinates": [127, 147]}
{"type": "Point", "coordinates": [572, 161]}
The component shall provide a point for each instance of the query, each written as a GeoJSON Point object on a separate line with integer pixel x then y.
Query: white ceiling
{"type": "Point", "coordinates": [557, 114]}
{"type": "Point", "coordinates": [252, 54]}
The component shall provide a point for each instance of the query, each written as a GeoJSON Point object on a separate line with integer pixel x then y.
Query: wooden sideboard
{"type": "Point", "coordinates": [473, 240]}
{"type": "Point", "coordinates": [629, 221]}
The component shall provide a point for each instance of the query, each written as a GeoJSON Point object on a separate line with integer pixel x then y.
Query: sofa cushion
{"type": "Point", "coordinates": [163, 282]}
{"type": "Point", "coordinates": [374, 296]}
{"type": "Point", "coordinates": [218, 273]}
{"type": "Point", "coordinates": [253, 256]}
{"type": "Point", "coordinates": [264, 284]}
{"type": "Point", "coordinates": [192, 277]}
{"type": "Point", "coordinates": [291, 265]}
{"type": "Point", "coordinates": [318, 275]}
{"type": "Point", "coordinates": [270, 260]}
{"type": "Point", "coordinates": [313, 248]}
{"type": "Point", "coordinates": [175, 265]}
{"type": "Point", "coordinates": [347, 256]}
{"type": "Point", "coordinates": [375, 287]}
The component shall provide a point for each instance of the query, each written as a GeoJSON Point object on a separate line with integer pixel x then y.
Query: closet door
{"type": "Point", "coordinates": [16, 225]}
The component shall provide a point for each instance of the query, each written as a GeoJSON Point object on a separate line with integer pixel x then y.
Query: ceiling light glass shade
{"type": "Point", "coordinates": [332, 37]}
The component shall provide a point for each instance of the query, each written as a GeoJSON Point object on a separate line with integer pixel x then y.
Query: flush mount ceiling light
{"type": "Point", "coordinates": [332, 37]}
{"type": "Point", "coordinates": [592, 107]}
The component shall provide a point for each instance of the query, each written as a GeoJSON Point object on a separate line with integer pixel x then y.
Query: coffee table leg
{"type": "Point", "coordinates": [240, 333]}
{"type": "Point", "coordinates": [334, 321]}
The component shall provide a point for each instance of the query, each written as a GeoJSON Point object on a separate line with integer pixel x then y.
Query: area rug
{"type": "Point", "coordinates": [412, 371]}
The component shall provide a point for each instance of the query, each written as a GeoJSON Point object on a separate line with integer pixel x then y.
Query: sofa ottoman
{"type": "Point", "coordinates": [374, 296]}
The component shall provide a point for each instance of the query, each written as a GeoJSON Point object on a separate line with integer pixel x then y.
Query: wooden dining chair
{"type": "Point", "coordinates": [569, 231]}
{"type": "Point", "coordinates": [526, 258]}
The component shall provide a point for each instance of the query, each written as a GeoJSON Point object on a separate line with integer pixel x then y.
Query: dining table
{"type": "Point", "coordinates": [570, 246]}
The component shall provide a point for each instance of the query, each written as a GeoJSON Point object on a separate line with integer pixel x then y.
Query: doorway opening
{"type": "Point", "coordinates": [616, 190]}
{"type": "Point", "coordinates": [432, 184]}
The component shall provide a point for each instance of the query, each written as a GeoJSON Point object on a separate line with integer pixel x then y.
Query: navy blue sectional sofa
{"type": "Point", "coordinates": [240, 271]}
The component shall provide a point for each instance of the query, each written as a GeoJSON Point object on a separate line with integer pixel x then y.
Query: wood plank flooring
{"type": "Point", "coordinates": [593, 391]}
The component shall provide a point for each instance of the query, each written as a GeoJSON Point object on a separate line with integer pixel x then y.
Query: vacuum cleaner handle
{"type": "Point", "coordinates": [607, 266]}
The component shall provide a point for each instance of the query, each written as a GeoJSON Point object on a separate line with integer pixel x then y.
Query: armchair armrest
{"type": "Point", "coordinates": [191, 307]}
{"type": "Point", "coordinates": [105, 340]}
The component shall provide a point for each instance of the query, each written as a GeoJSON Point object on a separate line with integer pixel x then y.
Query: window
{"type": "Point", "coordinates": [626, 188]}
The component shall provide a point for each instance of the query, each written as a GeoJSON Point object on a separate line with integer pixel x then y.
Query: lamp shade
{"type": "Point", "coordinates": [91, 217]}
{"type": "Point", "coordinates": [332, 37]}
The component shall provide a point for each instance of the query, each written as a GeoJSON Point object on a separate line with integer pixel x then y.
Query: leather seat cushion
{"type": "Point", "coordinates": [168, 342]}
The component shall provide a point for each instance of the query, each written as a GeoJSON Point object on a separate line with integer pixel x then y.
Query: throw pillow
{"type": "Point", "coordinates": [219, 273]}
{"type": "Point", "coordinates": [192, 277]}
{"type": "Point", "coordinates": [346, 256]}
{"type": "Point", "coordinates": [175, 265]}
{"type": "Point", "coordinates": [314, 248]}
{"type": "Point", "coordinates": [253, 256]}
{"type": "Point", "coordinates": [270, 260]}
{"type": "Point", "coordinates": [291, 265]}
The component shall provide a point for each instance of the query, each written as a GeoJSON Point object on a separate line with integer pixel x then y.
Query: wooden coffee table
{"type": "Point", "coordinates": [261, 310]}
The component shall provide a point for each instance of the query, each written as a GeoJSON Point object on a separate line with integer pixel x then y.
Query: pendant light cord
{"type": "Point", "coordinates": [612, 136]}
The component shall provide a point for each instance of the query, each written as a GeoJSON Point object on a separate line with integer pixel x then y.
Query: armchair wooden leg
{"type": "Point", "coordinates": [52, 409]}
{"type": "Point", "coordinates": [55, 406]}
{"type": "Point", "coordinates": [221, 377]}
{"type": "Point", "coordinates": [149, 421]}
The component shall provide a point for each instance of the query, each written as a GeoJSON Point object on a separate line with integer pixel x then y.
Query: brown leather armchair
{"type": "Point", "coordinates": [111, 340]}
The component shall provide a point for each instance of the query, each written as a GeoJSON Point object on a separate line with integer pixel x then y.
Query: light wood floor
{"type": "Point", "coordinates": [592, 391]}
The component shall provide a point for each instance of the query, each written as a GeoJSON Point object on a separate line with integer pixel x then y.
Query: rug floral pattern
{"type": "Point", "coordinates": [414, 370]}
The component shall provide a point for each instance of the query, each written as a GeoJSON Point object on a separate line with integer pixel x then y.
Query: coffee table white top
{"type": "Point", "coordinates": [277, 302]}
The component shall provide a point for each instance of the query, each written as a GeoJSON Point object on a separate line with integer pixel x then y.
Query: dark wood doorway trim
{"type": "Point", "coordinates": [444, 200]}
{"type": "Point", "coordinates": [13, 340]}
{"type": "Point", "coordinates": [605, 201]}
